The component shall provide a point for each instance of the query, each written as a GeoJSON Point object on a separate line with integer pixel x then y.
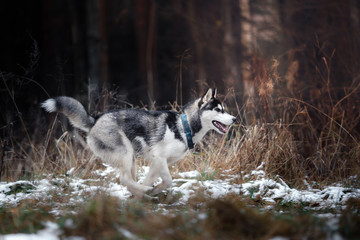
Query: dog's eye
{"type": "Point", "coordinates": [217, 109]}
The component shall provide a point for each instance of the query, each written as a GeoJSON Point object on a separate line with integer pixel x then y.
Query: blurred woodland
{"type": "Point", "coordinates": [283, 61]}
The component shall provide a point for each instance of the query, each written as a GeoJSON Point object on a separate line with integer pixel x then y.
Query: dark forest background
{"type": "Point", "coordinates": [152, 53]}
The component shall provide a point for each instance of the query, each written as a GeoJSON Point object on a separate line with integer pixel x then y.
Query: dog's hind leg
{"type": "Point", "coordinates": [138, 190]}
{"type": "Point", "coordinates": [133, 169]}
{"type": "Point", "coordinates": [128, 172]}
{"type": "Point", "coordinates": [116, 150]}
{"type": "Point", "coordinates": [127, 175]}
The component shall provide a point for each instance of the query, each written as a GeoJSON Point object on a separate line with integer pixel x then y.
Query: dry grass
{"type": "Point", "coordinates": [105, 217]}
{"type": "Point", "coordinates": [292, 150]}
{"type": "Point", "coordinates": [275, 148]}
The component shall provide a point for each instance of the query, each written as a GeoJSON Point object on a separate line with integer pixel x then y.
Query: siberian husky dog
{"type": "Point", "coordinates": [162, 137]}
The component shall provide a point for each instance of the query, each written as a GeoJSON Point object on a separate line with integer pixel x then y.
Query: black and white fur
{"type": "Point", "coordinates": [117, 137]}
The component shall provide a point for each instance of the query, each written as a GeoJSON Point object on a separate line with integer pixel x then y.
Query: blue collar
{"type": "Point", "coordinates": [187, 131]}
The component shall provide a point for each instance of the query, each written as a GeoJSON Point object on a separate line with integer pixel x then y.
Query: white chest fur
{"type": "Point", "coordinates": [169, 147]}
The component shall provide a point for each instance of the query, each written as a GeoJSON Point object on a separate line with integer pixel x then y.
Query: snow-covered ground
{"type": "Point", "coordinates": [50, 232]}
{"type": "Point", "coordinates": [186, 186]}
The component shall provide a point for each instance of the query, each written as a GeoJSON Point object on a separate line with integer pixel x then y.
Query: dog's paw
{"type": "Point", "coordinates": [155, 191]}
{"type": "Point", "coordinates": [148, 198]}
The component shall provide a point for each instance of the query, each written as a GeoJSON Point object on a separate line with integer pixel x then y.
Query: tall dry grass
{"type": "Point", "coordinates": [292, 150]}
{"type": "Point", "coordinates": [291, 135]}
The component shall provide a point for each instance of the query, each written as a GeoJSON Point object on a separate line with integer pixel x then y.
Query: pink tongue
{"type": "Point", "coordinates": [221, 126]}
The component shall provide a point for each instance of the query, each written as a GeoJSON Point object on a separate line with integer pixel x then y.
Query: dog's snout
{"type": "Point", "coordinates": [234, 120]}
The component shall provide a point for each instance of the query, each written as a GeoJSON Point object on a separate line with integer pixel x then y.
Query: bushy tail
{"type": "Point", "coordinates": [71, 108]}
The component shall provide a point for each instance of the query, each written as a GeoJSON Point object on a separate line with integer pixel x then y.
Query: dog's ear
{"type": "Point", "coordinates": [207, 96]}
{"type": "Point", "coordinates": [214, 93]}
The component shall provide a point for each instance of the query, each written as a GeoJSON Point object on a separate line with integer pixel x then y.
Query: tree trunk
{"type": "Point", "coordinates": [150, 46]}
{"type": "Point", "coordinates": [97, 50]}
{"type": "Point", "coordinates": [231, 65]}
{"type": "Point", "coordinates": [145, 31]}
{"type": "Point", "coordinates": [79, 50]}
{"type": "Point", "coordinates": [198, 44]}
{"type": "Point", "coordinates": [247, 51]}
{"type": "Point", "coordinates": [266, 28]}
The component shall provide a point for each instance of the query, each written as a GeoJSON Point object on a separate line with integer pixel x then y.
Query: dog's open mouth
{"type": "Point", "coordinates": [222, 127]}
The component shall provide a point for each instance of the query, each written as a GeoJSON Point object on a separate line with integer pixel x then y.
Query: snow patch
{"type": "Point", "coordinates": [271, 190]}
{"type": "Point", "coordinates": [51, 232]}
{"type": "Point", "coordinates": [191, 174]}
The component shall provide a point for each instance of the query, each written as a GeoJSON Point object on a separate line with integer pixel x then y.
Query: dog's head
{"type": "Point", "coordinates": [212, 113]}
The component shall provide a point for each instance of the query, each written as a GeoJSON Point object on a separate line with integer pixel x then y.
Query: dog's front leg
{"type": "Point", "coordinates": [166, 183]}
{"type": "Point", "coordinates": [158, 168]}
